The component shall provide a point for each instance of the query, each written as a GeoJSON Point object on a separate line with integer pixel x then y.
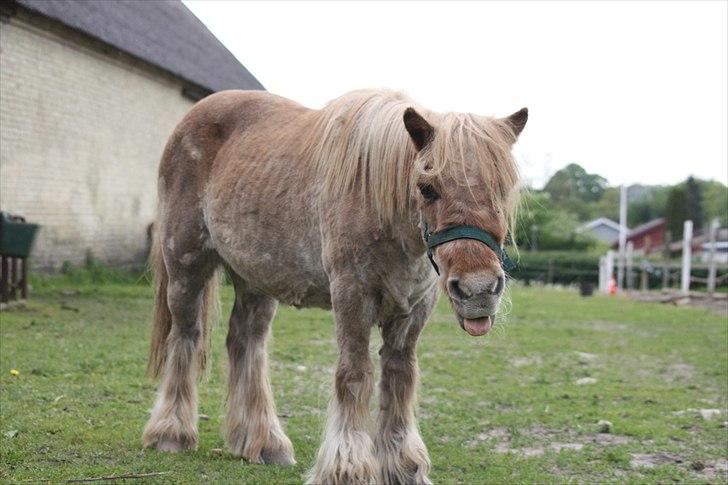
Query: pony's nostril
{"type": "Point", "coordinates": [453, 286]}
{"type": "Point", "coordinates": [498, 286]}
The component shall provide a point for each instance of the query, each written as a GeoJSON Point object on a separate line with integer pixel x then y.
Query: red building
{"type": "Point", "coordinates": [648, 237]}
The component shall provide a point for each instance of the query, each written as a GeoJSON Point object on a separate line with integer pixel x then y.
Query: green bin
{"type": "Point", "coordinates": [16, 236]}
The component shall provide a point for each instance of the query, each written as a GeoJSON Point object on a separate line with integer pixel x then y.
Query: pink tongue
{"type": "Point", "coordinates": [477, 326]}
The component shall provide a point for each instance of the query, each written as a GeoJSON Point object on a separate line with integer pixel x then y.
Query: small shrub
{"type": "Point", "coordinates": [91, 273]}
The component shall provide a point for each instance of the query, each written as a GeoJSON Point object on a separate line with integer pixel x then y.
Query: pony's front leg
{"type": "Point", "coordinates": [400, 451]}
{"type": "Point", "coordinates": [346, 455]}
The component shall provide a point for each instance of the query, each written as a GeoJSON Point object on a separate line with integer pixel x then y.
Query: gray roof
{"type": "Point", "coordinates": [161, 32]}
{"type": "Point", "coordinates": [601, 221]}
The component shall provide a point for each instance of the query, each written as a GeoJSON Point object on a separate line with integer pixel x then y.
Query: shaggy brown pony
{"type": "Point", "coordinates": [323, 208]}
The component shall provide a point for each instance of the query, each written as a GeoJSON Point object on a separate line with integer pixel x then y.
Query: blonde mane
{"type": "Point", "coordinates": [359, 143]}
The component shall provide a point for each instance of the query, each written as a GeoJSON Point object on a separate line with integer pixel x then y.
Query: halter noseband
{"type": "Point", "coordinates": [434, 239]}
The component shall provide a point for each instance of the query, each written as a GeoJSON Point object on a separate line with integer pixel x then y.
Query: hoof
{"type": "Point", "coordinates": [277, 457]}
{"type": "Point", "coordinates": [168, 446]}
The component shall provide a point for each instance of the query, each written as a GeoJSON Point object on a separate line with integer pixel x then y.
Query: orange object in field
{"type": "Point", "coordinates": [612, 286]}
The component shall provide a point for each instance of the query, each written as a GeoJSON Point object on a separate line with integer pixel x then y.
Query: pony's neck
{"type": "Point", "coordinates": [407, 229]}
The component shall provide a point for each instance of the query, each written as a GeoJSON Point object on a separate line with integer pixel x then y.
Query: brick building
{"type": "Point", "coordinates": [89, 93]}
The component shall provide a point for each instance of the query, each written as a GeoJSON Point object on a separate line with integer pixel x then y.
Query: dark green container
{"type": "Point", "coordinates": [16, 236]}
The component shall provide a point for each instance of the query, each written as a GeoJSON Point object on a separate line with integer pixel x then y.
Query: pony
{"type": "Point", "coordinates": [324, 208]}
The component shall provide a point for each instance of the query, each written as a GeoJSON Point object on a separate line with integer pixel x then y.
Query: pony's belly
{"type": "Point", "coordinates": [288, 271]}
{"type": "Point", "coordinates": [311, 298]}
{"type": "Point", "coordinates": [302, 290]}
{"type": "Point", "coordinates": [284, 280]}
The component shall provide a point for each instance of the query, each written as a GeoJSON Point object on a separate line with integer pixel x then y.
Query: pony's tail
{"type": "Point", "coordinates": [162, 318]}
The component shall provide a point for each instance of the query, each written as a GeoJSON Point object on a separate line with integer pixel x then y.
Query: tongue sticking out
{"type": "Point", "coordinates": [477, 326]}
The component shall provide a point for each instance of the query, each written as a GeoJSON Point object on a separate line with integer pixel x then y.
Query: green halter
{"type": "Point", "coordinates": [434, 239]}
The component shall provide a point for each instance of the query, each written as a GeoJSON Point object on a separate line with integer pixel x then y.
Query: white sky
{"type": "Point", "coordinates": [636, 92]}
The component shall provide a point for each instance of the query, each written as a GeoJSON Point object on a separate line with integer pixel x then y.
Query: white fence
{"type": "Point", "coordinates": [623, 261]}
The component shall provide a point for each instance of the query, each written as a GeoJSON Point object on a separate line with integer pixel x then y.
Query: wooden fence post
{"type": "Point", "coordinates": [24, 278]}
{"type": "Point", "coordinates": [14, 277]}
{"type": "Point", "coordinates": [550, 274]}
{"type": "Point", "coordinates": [687, 256]}
{"type": "Point", "coordinates": [609, 270]}
{"type": "Point", "coordinates": [630, 261]}
{"type": "Point", "coordinates": [622, 236]}
{"type": "Point", "coordinates": [644, 281]}
{"type": "Point", "coordinates": [4, 279]}
{"type": "Point", "coordinates": [666, 260]}
{"type": "Point", "coordinates": [714, 225]}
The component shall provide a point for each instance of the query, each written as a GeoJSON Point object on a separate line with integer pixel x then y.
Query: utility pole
{"type": "Point", "coordinates": [630, 261]}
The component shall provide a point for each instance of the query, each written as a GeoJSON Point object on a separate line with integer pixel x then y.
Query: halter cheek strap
{"type": "Point", "coordinates": [434, 239]}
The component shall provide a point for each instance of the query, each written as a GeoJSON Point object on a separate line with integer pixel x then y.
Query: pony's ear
{"type": "Point", "coordinates": [517, 121]}
{"type": "Point", "coordinates": [418, 128]}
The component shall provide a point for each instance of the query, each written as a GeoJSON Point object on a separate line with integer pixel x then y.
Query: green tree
{"type": "Point", "coordinates": [695, 209]}
{"type": "Point", "coordinates": [677, 211]}
{"type": "Point", "coordinates": [553, 227]}
{"type": "Point", "coordinates": [606, 206]}
{"type": "Point", "coordinates": [640, 212]}
{"type": "Point", "coordinates": [715, 201]}
{"type": "Point", "coordinates": [573, 182]}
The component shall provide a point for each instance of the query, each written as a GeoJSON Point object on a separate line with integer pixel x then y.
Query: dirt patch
{"type": "Point", "coordinates": [558, 447]}
{"type": "Point", "coordinates": [538, 450]}
{"type": "Point", "coordinates": [527, 452]}
{"type": "Point", "coordinates": [493, 433]}
{"type": "Point", "coordinates": [605, 439]}
{"type": "Point", "coordinates": [706, 414]}
{"type": "Point", "coordinates": [541, 433]}
{"type": "Point", "coordinates": [585, 357]}
{"type": "Point", "coordinates": [548, 439]}
{"type": "Point", "coordinates": [679, 372]}
{"type": "Point", "coordinates": [651, 460]}
{"type": "Point", "coordinates": [604, 326]}
{"type": "Point", "coordinates": [526, 361]}
{"type": "Point", "coordinates": [712, 468]}
{"type": "Point", "coordinates": [704, 468]}
{"type": "Point", "coordinates": [718, 305]}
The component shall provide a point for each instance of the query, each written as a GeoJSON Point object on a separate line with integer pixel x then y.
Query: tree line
{"type": "Point", "coordinates": [549, 218]}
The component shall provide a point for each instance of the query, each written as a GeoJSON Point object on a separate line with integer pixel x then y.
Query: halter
{"type": "Point", "coordinates": [434, 239]}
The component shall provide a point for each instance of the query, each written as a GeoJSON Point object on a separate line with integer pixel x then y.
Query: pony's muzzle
{"type": "Point", "coordinates": [475, 299]}
{"type": "Point", "coordinates": [486, 286]}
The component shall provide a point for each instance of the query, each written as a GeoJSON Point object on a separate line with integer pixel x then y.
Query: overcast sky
{"type": "Point", "coordinates": [636, 92]}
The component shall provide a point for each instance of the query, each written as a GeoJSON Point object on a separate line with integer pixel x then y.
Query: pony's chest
{"type": "Point", "coordinates": [405, 286]}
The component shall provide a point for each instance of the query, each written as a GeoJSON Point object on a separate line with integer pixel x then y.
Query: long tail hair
{"type": "Point", "coordinates": [162, 318]}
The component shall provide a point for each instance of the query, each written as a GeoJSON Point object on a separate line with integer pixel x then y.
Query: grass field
{"type": "Point", "coordinates": [508, 408]}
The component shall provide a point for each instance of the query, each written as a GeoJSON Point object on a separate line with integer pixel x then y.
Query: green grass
{"type": "Point", "coordinates": [79, 403]}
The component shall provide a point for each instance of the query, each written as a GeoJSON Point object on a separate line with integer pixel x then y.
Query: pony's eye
{"type": "Point", "coordinates": [429, 193]}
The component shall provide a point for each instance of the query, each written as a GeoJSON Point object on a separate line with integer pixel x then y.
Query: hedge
{"type": "Point", "coordinates": [562, 267]}
{"type": "Point", "coordinates": [574, 267]}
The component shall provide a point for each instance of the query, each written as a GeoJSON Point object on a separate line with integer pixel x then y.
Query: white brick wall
{"type": "Point", "coordinates": [81, 134]}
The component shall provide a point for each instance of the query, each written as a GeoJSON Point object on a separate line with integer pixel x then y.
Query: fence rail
{"type": "Point", "coordinates": [669, 271]}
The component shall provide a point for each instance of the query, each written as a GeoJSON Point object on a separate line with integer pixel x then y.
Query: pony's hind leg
{"type": "Point", "coordinates": [252, 428]}
{"type": "Point", "coordinates": [188, 298]}
{"type": "Point", "coordinates": [401, 453]}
